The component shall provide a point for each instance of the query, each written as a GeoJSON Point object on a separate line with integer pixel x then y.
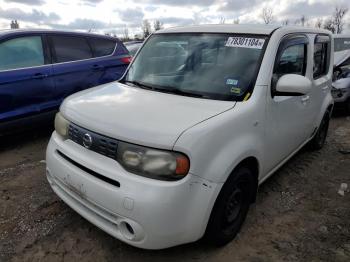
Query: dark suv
{"type": "Point", "coordinates": [39, 68]}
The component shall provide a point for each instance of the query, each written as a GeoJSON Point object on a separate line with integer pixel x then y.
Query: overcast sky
{"type": "Point", "coordinates": [112, 16]}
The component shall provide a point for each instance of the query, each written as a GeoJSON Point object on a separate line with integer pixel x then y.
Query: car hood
{"type": "Point", "coordinates": [139, 116]}
{"type": "Point", "coordinates": [343, 83]}
{"type": "Point", "coordinates": [341, 58]}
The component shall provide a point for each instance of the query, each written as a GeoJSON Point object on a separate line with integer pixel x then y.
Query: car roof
{"type": "Point", "coordinates": [254, 29]}
{"type": "Point", "coordinates": [7, 32]}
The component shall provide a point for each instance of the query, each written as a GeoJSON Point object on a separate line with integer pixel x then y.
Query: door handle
{"type": "Point", "coordinates": [305, 98]}
{"type": "Point", "coordinates": [97, 67]}
{"type": "Point", "coordinates": [39, 76]}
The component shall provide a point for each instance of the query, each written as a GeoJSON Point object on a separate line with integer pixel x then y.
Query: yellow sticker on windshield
{"type": "Point", "coordinates": [235, 90]}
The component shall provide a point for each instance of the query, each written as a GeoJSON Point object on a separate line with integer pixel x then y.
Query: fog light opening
{"type": "Point", "coordinates": [127, 230]}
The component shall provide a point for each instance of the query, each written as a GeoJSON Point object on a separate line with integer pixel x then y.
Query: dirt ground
{"type": "Point", "coordinates": [299, 216]}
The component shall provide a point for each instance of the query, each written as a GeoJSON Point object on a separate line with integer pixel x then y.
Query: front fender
{"type": "Point", "coordinates": [216, 146]}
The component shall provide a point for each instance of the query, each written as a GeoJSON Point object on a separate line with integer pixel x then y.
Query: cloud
{"type": "Point", "coordinates": [27, 2]}
{"type": "Point", "coordinates": [151, 8]}
{"type": "Point", "coordinates": [179, 2]}
{"type": "Point", "coordinates": [131, 15]}
{"type": "Point", "coordinates": [91, 2]}
{"type": "Point", "coordinates": [35, 16]}
{"type": "Point", "coordinates": [308, 9]}
{"type": "Point", "coordinates": [311, 10]}
{"type": "Point", "coordinates": [236, 5]}
{"type": "Point", "coordinates": [89, 24]}
{"type": "Point", "coordinates": [177, 21]}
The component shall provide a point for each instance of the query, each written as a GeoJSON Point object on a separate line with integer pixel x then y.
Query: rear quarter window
{"type": "Point", "coordinates": [102, 47]}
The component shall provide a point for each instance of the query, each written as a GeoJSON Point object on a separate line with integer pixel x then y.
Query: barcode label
{"type": "Point", "coordinates": [245, 42]}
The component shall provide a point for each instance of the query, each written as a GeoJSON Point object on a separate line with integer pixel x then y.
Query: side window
{"type": "Point", "coordinates": [21, 52]}
{"type": "Point", "coordinates": [292, 61]}
{"type": "Point", "coordinates": [321, 56]}
{"type": "Point", "coordinates": [102, 47]}
{"type": "Point", "coordinates": [70, 48]}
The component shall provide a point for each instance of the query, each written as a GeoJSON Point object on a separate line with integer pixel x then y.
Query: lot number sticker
{"type": "Point", "coordinates": [245, 42]}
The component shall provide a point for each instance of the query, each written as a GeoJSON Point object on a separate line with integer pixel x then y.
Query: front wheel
{"type": "Point", "coordinates": [319, 139]}
{"type": "Point", "coordinates": [231, 207]}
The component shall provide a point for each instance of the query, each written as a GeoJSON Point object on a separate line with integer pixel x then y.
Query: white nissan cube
{"type": "Point", "coordinates": [175, 150]}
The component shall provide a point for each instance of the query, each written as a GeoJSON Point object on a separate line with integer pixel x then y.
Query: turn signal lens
{"type": "Point", "coordinates": [182, 165]}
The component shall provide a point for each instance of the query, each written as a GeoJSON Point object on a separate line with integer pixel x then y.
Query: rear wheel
{"type": "Point", "coordinates": [320, 137]}
{"type": "Point", "coordinates": [231, 207]}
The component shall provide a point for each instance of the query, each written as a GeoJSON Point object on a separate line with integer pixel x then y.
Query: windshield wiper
{"type": "Point", "coordinates": [164, 90]}
{"type": "Point", "coordinates": [180, 92]}
{"type": "Point", "coordinates": [141, 85]}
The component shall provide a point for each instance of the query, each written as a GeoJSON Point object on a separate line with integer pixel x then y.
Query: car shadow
{"type": "Point", "coordinates": [340, 112]}
{"type": "Point", "coordinates": [22, 137]}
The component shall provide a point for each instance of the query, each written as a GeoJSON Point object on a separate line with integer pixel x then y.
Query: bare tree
{"type": "Point", "coordinates": [14, 24]}
{"type": "Point", "coordinates": [126, 34]}
{"type": "Point", "coordinates": [157, 25]}
{"type": "Point", "coordinates": [319, 23]}
{"type": "Point", "coordinates": [285, 22]}
{"type": "Point", "coordinates": [329, 25]}
{"type": "Point", "coordinates": [222, 20]}
{"type": "Point", "coordinates": [338, 19]}
{"type": "Point", "coordinates": [146, 28]}
{"type": "Point", "coordinates": [303, 20]}
{"type": "Point", "coordinates": [267, 15]}
{"type": "Point", "coordinates": [236, 21]}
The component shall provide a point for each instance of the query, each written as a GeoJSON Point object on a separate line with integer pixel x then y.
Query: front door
{"type": "Point", "coordinates": [25, 83]}
{"type": "Point", "coordinates": [287, 116]}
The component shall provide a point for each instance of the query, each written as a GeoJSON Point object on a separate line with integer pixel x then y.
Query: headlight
{"type": "Point", "coordinates": [153, 163]}
{"type": "Point", "coordinates": [61, 125]}
{"type": "Point", "coordinates": [336, 93]}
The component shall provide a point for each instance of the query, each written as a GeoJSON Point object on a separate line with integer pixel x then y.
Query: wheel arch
{"type": "Point", "coordinates": [252, 163]}
{"type": "Point", "coordinates": [330, 109]}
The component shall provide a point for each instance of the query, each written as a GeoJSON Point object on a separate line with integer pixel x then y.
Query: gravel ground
{"type": "Point", "coordinates": [299, 215]}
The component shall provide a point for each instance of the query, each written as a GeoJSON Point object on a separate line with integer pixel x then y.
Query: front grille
{"type": "Point", "coordinates": [100, 144]}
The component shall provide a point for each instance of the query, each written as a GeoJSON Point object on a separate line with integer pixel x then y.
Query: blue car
{"type": "Point", "coordinates": [39, 68]}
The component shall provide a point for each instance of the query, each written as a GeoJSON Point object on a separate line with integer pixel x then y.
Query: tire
{"type": "Point", "coordinates": [319, 139]}
{"type": "Point", "coordinates": [231, 207]}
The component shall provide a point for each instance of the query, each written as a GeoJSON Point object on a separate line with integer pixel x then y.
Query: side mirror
{"type": "Point", "coordinates": [292, 85]}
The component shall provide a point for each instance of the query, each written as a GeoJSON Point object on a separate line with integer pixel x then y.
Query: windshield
{"type": "Point", "coordinates": [214, 66]}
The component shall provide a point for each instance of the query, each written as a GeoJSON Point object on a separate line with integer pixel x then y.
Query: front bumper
{"type": "Point", "coordinates": [142, 212]}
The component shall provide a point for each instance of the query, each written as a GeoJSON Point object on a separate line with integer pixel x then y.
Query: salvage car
{"type": "Point", "coordinates": [341, 77]}
{"type": "Point", "coordinates": [176, 150]}
{"type": "Point", "coordinates": [133, 46]}
{"type": "Point", "coordinates": [39, 68]}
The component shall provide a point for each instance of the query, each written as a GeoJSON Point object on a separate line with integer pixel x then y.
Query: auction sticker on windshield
{"type": "Point", "coordinates": [245, 42]}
